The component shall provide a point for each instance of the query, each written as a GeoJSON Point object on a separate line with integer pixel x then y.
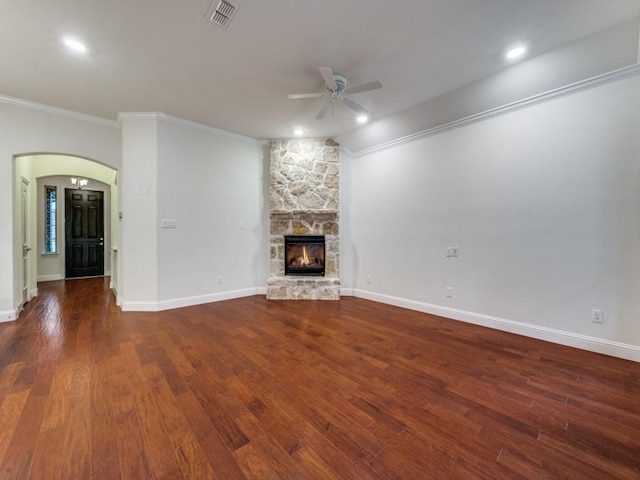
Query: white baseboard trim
{"type": "Point", "coordinates": [186, 301]}
{"type": "Point", "coordinates": [583, 342]}
{"type": "Point", "coordinates": [9, 315]}
{"type": "Point", "coordinates": [50, 278]}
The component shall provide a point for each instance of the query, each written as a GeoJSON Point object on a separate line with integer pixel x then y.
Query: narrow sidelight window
{"type": "Point", "coordinates": [50, 217]}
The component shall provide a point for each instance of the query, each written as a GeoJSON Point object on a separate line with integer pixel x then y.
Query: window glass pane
{"type": "Point", "coordinates": [50, 224]}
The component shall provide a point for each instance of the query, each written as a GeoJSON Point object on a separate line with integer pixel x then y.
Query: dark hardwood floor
{"type": "Point", "coordinates": [257, 389]}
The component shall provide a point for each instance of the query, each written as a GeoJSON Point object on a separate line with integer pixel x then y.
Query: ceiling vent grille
{"type": "Point", "coordinates": [221, 12]}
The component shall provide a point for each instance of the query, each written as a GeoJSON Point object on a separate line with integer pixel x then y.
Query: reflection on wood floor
{"type": "Point", "coordinates": [257, 389]}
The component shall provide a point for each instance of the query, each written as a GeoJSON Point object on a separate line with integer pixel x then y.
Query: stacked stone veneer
{"type": "Point", "coordinates": [304, 200]}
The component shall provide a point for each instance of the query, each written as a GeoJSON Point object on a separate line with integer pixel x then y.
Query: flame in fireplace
{"type": "Point", "coordinates": [305, 261]}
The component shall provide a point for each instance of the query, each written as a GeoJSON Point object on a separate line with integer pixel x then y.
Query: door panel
{"type": "Point", "coordinates": [84, 228]}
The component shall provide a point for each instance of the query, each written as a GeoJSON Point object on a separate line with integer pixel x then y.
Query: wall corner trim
{"type": "Point", "coordinates": [583, 342]}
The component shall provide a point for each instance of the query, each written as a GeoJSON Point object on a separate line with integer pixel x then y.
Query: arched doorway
{"type": "Point", "coordinates": [49, 177]}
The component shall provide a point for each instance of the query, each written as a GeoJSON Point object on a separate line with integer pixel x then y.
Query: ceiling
{"type": "Point", "coordinates": [164, 56]}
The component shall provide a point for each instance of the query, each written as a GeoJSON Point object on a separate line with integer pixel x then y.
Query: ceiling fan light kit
{"type": "Point", "coordinates": [336, 88]}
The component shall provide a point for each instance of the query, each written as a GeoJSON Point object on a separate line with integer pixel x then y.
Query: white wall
{"type": "Point", "coordinates": [27, 128]}
{"type": "Point", "coordinates": [138, 241]}
{"type": "Point", "coordinates": [543, 203]}
{"type": "Point", "coordinates": [211, 184]}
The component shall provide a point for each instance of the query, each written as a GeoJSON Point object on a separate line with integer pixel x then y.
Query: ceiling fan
{"type": "Point", "coordinates": [336, 89]}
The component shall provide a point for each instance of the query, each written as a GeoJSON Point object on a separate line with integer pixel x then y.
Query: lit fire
{"type": "Point", "coordinates": [304, 259]}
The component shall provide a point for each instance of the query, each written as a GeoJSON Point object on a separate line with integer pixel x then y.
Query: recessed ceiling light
{"type": "Point", "coordinates": [516, 52]}
{"type": "Point", "coordinates": [75, 45]}
{"type": "Point", "coordinates": [298, 132]}
{"type": "Point", "coordinates": [362, 119]}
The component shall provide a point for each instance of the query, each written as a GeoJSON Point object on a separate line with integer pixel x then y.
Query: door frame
{"type": "Point", "coordinates": [25, 239]}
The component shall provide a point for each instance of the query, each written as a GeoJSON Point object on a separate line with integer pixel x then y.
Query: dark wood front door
{"type": "Point", "coordinates": [84, 229]}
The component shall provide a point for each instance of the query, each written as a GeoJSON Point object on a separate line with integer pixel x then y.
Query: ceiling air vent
{"type": "Point", "coordinates": [221, 12]}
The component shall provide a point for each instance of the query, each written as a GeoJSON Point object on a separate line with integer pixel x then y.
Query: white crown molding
{"type": "Point", "coordinates": [18, 102]}
{"type": "Point", "coordinates": [583, 342]}
{"type": "Point", "coordinates": [614, 76]}
{"type": "Point", "coordinates": [189, 124]}
{"type": "Point", "coordinates": [213, 130]}
{"type": "Point", "coordinates": [136, 116]}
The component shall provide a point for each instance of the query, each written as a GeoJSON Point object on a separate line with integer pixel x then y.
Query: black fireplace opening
{"type": "Point", "coordinates": [304, 255]}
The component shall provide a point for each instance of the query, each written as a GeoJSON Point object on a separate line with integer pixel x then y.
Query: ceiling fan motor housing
{"type": "Point", "coordinates": [341, 82]}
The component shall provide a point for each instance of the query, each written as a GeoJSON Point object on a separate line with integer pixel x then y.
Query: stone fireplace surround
{"type": "Point", "coordinates": [304, 200]}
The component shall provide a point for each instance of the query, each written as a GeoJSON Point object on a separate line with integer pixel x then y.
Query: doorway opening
{"type": "Point", "coordinates": [45, 256]}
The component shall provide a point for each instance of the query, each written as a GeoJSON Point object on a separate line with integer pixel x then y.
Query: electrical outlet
{"type": "Point", "coordinates": [219, 279]}
{"type": "Point", "coordinates": [597, 316]}
{"type": "Point", "coordinates": [449, 292]}
{"type": "Point", "coordinates": [452, 251]}
{"type": "Point", "coordinates": [368, 278]}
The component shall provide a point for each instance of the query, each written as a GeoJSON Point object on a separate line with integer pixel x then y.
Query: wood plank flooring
{"type": "Point", "coordinates": [257, 389]}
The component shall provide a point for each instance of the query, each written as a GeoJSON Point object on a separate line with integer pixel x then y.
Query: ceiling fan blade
{"type": "Point", "coordinates": [327, 74]}
{"type": "Point", "coordinates": [356, 107]}
{"type": "Point", "coordinates": [365, 87]}
{"type": "Point", "coordinates": [323, 111]}
{"type": "Point", "coordinates": [306, 95]}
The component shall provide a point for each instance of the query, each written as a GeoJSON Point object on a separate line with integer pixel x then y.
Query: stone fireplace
{"type": "Point", "coordinates": [304, 211]}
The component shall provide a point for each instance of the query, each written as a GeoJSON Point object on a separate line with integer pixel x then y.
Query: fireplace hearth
{"type": "Point", "coordinates": [304, 255]}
